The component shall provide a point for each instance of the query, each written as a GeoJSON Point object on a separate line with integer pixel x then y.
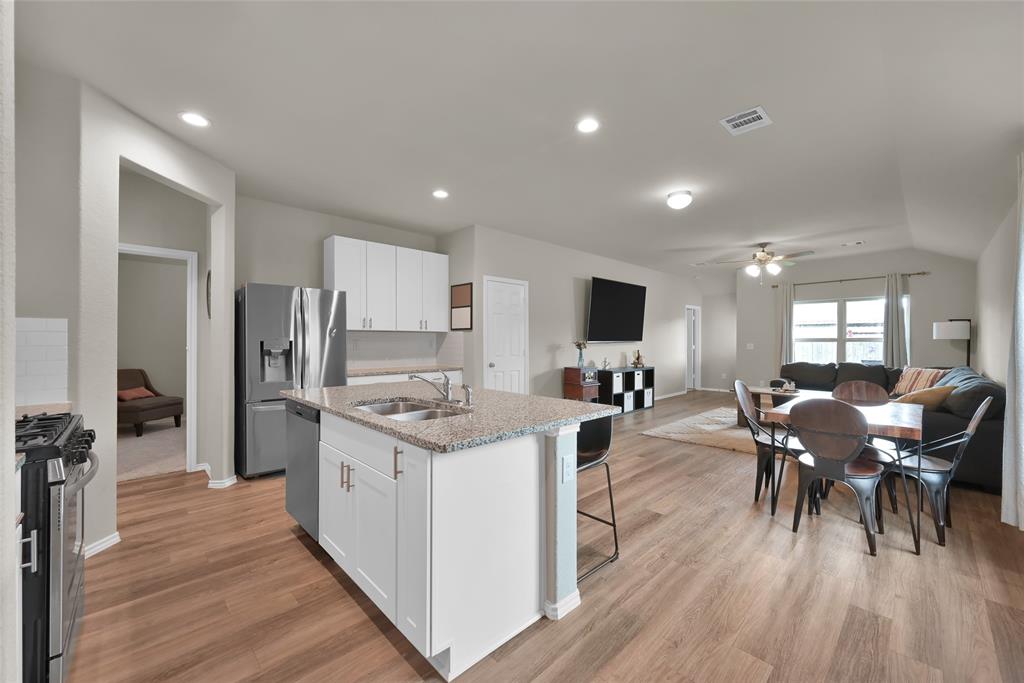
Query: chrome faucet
{"type": "Point", "coordinates": [469, 395]}
{"type": "Point", "coordinates": [444, 387]}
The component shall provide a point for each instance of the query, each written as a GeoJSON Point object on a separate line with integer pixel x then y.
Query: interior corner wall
{"type": "Point", "coordinates": [266, 231]}
{"type": "Point", "coordinates": [718, 341]}
{"type": "Point", "coordinates": [947, 292]}
{"type": "Point", "coordinates": [995, 298]}
{"type": "Point", "coordinates": [10, 558]}
{"type": "Point", "coordinates": [559, 278]}
{"type": "Point", "coordinates": [112, 137]}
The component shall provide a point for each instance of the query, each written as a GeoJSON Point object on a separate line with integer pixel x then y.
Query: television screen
{"type": "Point", "coordinates": [616, 311]}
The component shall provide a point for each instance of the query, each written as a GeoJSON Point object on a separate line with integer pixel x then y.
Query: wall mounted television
{"type": "Point", "coordinates": [616, 311]}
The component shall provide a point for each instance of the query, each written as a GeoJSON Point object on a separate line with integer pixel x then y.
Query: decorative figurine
{"type": "Point", "coordinates": [605, 364]}
{"type": "Point", "coordinates": [580, 344]}
{"type": "Point", "coordinates": [638, 360]}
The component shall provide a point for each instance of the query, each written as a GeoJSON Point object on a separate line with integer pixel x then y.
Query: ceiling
{"type": "Point", "coordinates": [896, 124]}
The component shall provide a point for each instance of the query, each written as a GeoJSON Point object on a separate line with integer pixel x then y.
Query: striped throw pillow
{"type": "Point", "coordinates": [915, 379]}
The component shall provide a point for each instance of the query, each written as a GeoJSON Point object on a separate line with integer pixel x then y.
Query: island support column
{"type": "Point", "coordinates": [561, 594]}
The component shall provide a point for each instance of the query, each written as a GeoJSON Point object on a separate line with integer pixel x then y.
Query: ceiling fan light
{"type": "Point", "coordinates": [753, 270]}
{"type": "Point", "coordinates": [773, 268]}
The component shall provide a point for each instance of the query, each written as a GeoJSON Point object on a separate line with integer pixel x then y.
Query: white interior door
{"type": "Point", "coordinates": [692, 347]}
{"type": "Point", "coordinates": [506, 331]}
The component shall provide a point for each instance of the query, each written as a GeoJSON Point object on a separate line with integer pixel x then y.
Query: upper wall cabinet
{"type": "Point", "coordinates": [388, 287]}
{"type": "Point", "coordinates": [422, 279]}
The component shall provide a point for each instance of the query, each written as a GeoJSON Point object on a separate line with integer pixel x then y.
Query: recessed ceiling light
{"type": "Point", "coordinates": [680, 199]}
{"type": "Point", "coordinates": [858, 243]}
{"type": "Point", "coordinates": [194, 118]}
{"type": "Point", "coordinates": [440, 193]}
{"type": "Point", "coordinates": [588, 124]}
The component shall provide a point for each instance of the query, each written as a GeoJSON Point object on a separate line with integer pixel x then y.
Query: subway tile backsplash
{"type": "Point", "coordinates": [41, 361]}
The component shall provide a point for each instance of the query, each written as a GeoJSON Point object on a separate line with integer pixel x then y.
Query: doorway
{"type": "Point", "coordinates": [692, 348]}
{"type": "Point", "coordinates": [506, 334]}
{"type": "Point", "coordinates": [157, 303]}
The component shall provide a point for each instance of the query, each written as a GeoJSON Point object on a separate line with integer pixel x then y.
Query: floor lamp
{"type": "Point", "coordinates": [954, 328]}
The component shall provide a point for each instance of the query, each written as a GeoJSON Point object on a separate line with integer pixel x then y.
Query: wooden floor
{"type": "Point", "coordinates": [219, 585]}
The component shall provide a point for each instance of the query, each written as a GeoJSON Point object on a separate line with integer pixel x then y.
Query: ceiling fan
{"type": "Point", "coordinates": [763, 260]}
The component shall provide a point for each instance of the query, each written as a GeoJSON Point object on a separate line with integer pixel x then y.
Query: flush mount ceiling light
{"type": "Point", "coordinates": [194, 118]}
{"type": "Point", "coordinates": [588, 124]}
{"type": "Point", "coordinates": [440, 193]}
{"type": "Point", "coordinates": [753, 270]}
{"type": "Point", "coordinates": [680, 199]}
{"type": "Point", "coordinates": [858, 243]}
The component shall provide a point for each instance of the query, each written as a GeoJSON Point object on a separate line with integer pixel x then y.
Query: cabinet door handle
{"type": "Point", "coordinates": [364, 323]}
{"type": "Point", "coordinates": [398, 451]}
{"type": "Point", "coordinates": [348, 482]}
{"type": "Point", "coordinates": [341, 484]}
{"type": "Point", "coordinates": [371, 323]}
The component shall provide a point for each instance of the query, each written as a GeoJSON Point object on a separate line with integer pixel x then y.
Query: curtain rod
{"type": "Point", "coordinates": [853, 279]}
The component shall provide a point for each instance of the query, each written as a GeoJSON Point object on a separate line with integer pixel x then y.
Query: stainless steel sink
{"type": "Point", "coordinates": [421, 415]}
{"type": "Point", "coordinates": [395, 407]}
{"type": "Point", "coordinates": [408, 411]}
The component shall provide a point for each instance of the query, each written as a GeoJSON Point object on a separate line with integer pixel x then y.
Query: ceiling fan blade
{"type": "Point", "coordinates": [797, 254]}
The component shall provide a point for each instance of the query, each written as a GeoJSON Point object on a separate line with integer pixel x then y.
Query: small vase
{"type": "Point", "coordinates": [579, 361]}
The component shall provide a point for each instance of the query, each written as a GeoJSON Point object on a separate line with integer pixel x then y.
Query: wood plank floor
{"type": "Point", "coordinates": [214, 585]}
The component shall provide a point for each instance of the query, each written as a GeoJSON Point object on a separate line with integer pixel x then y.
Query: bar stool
{"type": "Point", "coordinates": [593, 444]}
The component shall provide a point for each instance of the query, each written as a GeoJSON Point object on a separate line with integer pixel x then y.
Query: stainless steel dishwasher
{"type": "Point", "coordinates": [302, 467]}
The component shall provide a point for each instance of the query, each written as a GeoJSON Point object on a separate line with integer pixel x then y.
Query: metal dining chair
{"type": "Point", "coordinates": [835, 436]}
{"type": "Point", "coordinates": [766, 449]}
{"type": "Point", "coordinates": [937, 473]}
{"type": "Point", "coordinates": [593, 445]}
{"type": "Point", "coordinates": [862, 393]}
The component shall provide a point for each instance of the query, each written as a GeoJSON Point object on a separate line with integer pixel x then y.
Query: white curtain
{"type": "Point", "coordinates": [896, 352]}
{"type": "Point", "coordinates": [785, 323]}
{"type": "Point", "coordinates": [1013, 429]}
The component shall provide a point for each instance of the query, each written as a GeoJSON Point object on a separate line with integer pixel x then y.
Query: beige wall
{"type": "Point", "coordinates": [995, 298]}
{"type": "Point", "coordinates": [151, 320]}
{"type": "Point", "coordinates": [284, 245]}
{"type": "Point", "coordinates": [949, 292]}
{"type": "Point", "coordinates": [718, 341]}
{"type": "Point", "coordinates": [558, 280]}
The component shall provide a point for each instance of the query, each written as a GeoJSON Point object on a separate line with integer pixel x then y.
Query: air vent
{"type": "Point", "coordinates": [746, 121]}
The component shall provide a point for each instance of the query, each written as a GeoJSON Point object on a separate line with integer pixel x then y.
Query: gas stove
{"type": "Point", "coordinates": [53, 478]}
{"type": "Point", "coordinates": [45, 436]}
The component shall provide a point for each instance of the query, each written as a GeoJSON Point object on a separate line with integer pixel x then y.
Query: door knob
{"type": "Point", "coordinates": [490, 365]}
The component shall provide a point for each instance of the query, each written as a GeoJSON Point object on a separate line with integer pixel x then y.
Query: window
{"type": "Point", "coordinates": [845, 330]}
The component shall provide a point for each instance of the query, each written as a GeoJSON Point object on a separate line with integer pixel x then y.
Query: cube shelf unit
{"type": "Point", "coordinates": [629, 388]}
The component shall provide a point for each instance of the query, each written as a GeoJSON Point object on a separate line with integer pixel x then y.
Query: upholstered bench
{"type": "Point", "coordinates": [136, 411]}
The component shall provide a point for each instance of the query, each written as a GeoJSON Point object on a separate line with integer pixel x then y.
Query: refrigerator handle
{"type": "Point", "coordinates": [305, 337]}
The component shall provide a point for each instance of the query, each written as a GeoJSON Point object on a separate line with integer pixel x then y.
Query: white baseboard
{"type": "Point", "coordinates": [724, 391]}
{"type": "Point", "coordinates": [556, 611]}
{"type": "Point", "coordinates": [664, 396]}
{"type": "Point", "coordinates": [201, 467]}
{"type": "Point", "coordinates": [102, 544]}
{"type": "Point", "coordinates": [222, 483]}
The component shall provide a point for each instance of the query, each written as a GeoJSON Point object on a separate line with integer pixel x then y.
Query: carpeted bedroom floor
{"type": "Point", "coordinates": [160, 450]}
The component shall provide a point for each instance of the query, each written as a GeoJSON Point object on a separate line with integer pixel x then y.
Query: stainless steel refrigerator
{"type": "Point", "coordinates": [285, 338]}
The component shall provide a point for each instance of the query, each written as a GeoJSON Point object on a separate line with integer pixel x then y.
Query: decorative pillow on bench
{"type": "Point", "coordinates": [134, 393]}
{"type": "Point", "coordinates": [930, 398]}
{"type": "Point", "coordinates": [915, 379]}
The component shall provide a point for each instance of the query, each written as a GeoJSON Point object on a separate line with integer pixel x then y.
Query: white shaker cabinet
{"type": "Point", "coordinates": [345, 270]}
{"type": "Point", "coordinates": [374, 500]}
{"type": "Point", "coordinates": [380, 286]}
{"type": "Point", "coordinates": [336, 514]}
{"type": "Point", "coordinates": [388, 287]}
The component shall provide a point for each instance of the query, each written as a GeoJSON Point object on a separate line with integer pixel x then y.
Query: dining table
{"type": "Point", "coordinates": [899, 422]}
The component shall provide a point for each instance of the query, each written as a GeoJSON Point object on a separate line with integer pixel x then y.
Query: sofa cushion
{"type": "Point", "coordinates": [914, 379]}
{"type": "Point", "coordinates": [892, 378]}
{"type": "Point", "coordinates": [848, 372]}
{"type": "Point", "coordinates": [931, 398]}
{"type": "Point", "coordinates": [133, 394]}
{"type": "Point", "coordinates": [971, 390]}
{"type": "Point", "coordinates": [819, 376]}
{"type": "Point", "coordinates": [149, 403]}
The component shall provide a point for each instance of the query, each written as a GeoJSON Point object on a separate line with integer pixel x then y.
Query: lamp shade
{"type": "Point", "coordinates": [953, 329]}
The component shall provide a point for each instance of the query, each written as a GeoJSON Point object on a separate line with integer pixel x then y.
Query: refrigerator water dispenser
{"type": "Point", "coordinates": [276, 360]}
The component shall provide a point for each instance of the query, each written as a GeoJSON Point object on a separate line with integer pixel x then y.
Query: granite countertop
{"type": "Point", "coordinates": [495, 415]}
{"type": "Point", "coordinates": [400, 370]}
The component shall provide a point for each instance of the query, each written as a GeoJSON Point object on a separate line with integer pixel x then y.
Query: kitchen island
{"type": "Point", "coordinates": [461, 528]}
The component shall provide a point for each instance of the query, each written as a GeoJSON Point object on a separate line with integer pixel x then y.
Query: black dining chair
{"type": "Point", "coordinates": [593, 445]}
{"type": "Point", "coordinates": [859, 392]}
{"type": "Point", "coordinates": [766, 448]}
{"type": "Point", "coordinates": [835, 436]}
{"type": "Point", "coordinates": [937, 473]}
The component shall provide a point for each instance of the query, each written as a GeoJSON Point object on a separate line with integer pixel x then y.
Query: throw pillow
{"type": "Point", "coordinates": [914, 379]}
{"type": "Point", "coordinates": [134, 393]}
{"type": "Point", "coordinates": [930, 398]}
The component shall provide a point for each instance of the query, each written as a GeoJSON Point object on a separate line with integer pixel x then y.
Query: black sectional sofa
{"type": "Point", "coordinates": [982, 465]}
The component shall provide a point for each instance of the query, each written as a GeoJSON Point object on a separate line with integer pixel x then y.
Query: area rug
{"type": "Point", "coordinates": [160, 449]}
{"type": "Point", "coordinates": [715, 428]}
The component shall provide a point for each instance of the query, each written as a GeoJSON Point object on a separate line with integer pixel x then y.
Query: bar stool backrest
{"type": "Point", "coordinates": [593, 442]}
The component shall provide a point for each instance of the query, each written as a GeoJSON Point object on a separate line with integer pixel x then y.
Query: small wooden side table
{"type": "Point", "coordinates": [580, 384]}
